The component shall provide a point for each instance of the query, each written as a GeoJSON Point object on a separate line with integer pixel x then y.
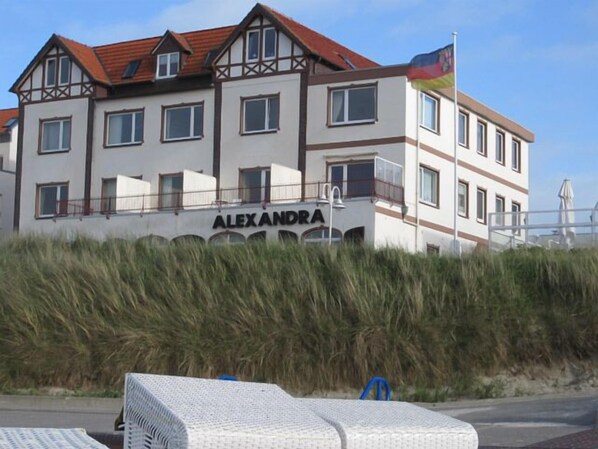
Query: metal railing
{"type": "Point", "coordinates": [508, 230]}
{"type": "Point", "coordinates": [224, 198]}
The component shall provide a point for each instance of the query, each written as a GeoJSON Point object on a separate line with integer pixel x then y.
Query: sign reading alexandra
{"type": "Point", "coordinates": [285, 217]}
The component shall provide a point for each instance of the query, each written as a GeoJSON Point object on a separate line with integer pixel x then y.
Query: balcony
{"type": "Point", "coordinates": [175, 202]}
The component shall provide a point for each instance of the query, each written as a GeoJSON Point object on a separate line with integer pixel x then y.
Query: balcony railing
{"type": "Point", "coordinates": [224, 198]}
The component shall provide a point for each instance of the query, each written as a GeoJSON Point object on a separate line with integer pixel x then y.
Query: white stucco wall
{"type": "Point", "coordinates": [7, 203]}
{"type": "Point", "coordinates": [67, 167]}
{"type": "Point", "coordinates": [239, 151]}
{"type": "Point", "coordinates": [152, 158]}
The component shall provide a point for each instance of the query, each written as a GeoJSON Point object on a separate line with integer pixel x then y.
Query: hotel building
{"type": "Point", "coordinates": [232, 134]}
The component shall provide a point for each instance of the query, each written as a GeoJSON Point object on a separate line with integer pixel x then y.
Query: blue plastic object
{"type": "Point", "coordinates": [380, 383]}
{"type": "Point", "coordinates": [227, 377]}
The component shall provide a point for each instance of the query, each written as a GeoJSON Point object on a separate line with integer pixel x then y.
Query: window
{"type": "Point", "coordinates": [428, 188]}
{"type": "Point", "coordinates": [255, 185]}
{"type": "Point", "coordinates": [125, 128]}
{"type": "Point", "coordinates": [354, 179]}
{"type": "Point", "coordinates": [481, 138]}
{"type": "Point", "coordinates": [108, 203]}
{"type": "Point", "coordinates": [463, 128]}
{"type": "Point", "coordinates": [516, 155]}
{"type": "Point", "coordinates": [65, 70]}
{"type": "Point", "coordinates": [168, 65]}
{"type": "Point", "coordinates": [58, 70]}
{"type": "Point", "coordinates": [516, 217]}
{"type": "Point", "coordinates": [51, 72]}
{"type": "Point", "coordinates": [260, 115]}
{"type": "Point", "coordinates": [227, 238]}
{"type": "Point", "coordinates": [481, 205]}
{"type": "Point", "coordinates": [500, 147]}
{"type": "Point", "coordinates": [287, 237]}
{"type": "Point", "coordinates": [253, 44]}
{"type": "Point", "coordinates": [131, 68]}
{"type": "Point", "coordinates": [463, 199]}
{"type": "Point", "coordinates": [183, 122]}
{"type": "Point", "coordinates": [500, 209]}
{"type": "Point", "coordinates": [56, 135]}
{"type": "Point", "coordinates": [320, 237]}
{"type": "Point", "coordinates": [52, 200]}
{"type": "Point", "coordinates": [269, 43]}
{"type": "Point", "coordinates": [171, 191]}
{"type": "Point", "coordinates": [429, 112]}
{"type": "Point", "coordinates": [354, 105]}
{"type": "Point", "coordinates": [432, 250]}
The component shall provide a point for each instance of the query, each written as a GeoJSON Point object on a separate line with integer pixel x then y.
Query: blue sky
{"type": "Point", "coordinates": [535, 61]}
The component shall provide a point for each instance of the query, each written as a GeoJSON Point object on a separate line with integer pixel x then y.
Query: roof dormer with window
{"type": "Point", "coordinates": [171, 53]}
{"type": "Point", "coordinates": [62, 69]}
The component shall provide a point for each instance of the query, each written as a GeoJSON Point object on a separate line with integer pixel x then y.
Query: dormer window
{"type": "Point", "coordinates": [168, 65]}
{"type": "Point", "coordinates": [268, 38]}
{"type": "Point", "coordinates": [269, 43]}
{"type": "Point", "coordinates": [253, 45]}
{"type": "Point", "coordinates": [58, 70]}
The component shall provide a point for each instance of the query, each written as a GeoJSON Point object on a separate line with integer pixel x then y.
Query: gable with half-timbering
{"type": "Point", "coordinates": [55, 76]}
{"type": "Point", "coordinates": [260, 49]}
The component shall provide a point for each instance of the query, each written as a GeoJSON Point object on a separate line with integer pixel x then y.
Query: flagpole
{"type": "Point", "coordinates": [417, 180]}
{"type": "Point", "coordinates": [456, 243]}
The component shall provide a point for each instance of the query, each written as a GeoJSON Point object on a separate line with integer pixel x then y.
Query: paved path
{"type": "Point", "coordinates": [519, 422]}
{"type": "Point", "coordinates": [513, 422]}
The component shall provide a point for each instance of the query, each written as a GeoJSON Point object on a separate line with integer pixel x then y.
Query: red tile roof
{"type": "Point", "coordinates": [320, 45]}
{"type": "Point", "coordinates": [5, 116]}
{"type": "Point", "coordinates": [107, 63]}
{"type": "Point", "coordinates": [87, 57]}
{"type": "Point", "coordinates": [116, 57]}
{"type": "Point", "coordinates": [181, 41]}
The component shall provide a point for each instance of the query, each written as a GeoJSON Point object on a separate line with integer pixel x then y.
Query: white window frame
{"type": "Point", "coordinates": [266, 129]}
{"type": "Point", "coordinates": [135, 115]}
{"type": "Point", "coordinates": [257, 57]}
{"type": "Point", "coordinates": [500, 219]}
{"type": "Point", "coordinates": [516, 217]}
{"type": "Point", "coordinates": [311, 237]}
{"type": "Point", "coordinates": [265, 184]}
{"type": "Point", "coordinates": [59, 188]}
{"type": "Point", "coordinates": [264, 33]}
{"type": "Point", "coordinates": [60, 149]}
{"type": "Point", "coordinates": [47, 72]}
{"type": "Point", "coordinates": [484, 205]}
{"type": "Point", "coordinates": [465, 142]}
{"type": "Point", "coordinates": [346, 105]}
{"type": "Point", "coordinates": [192, 129]}
{"type": "Point", "coordinates": [168, 57]}
{"type": "Point", "coordinates": [484, 142]}
{"type": "Point", "coordinates": [516, 155]}
{"type": "Point", "coordinates": [436, 102]}
{"type": "Point", "coordinates": [436, 191]}
{"type": "Point", "coordinates": [227, 238]}
{"type": "Point", "coordinates": [60, 70]}
{"type": "Point", "coordinates": [465, 212]}
{"type": "Point", "coordinates": [500, 149]}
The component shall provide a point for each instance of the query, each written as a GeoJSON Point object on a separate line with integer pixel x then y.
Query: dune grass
{"type": "Point", "coordinates": [81, 314]}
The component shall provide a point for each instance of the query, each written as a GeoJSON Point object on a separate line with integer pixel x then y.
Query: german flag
{"type": "Point", "coordinates": [432, 70]}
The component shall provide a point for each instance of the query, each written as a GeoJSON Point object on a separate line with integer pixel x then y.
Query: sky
{"type": "Point", "coordinates": [535, 61]}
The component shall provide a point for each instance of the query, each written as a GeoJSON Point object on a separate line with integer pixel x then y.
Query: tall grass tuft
{"type": "Point", "coordinates": [81, 314]}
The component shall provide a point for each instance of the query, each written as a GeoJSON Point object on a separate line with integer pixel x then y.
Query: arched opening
{"type": "Point", "coordinates": [188, 239]}
{"type": "Point", "coordinates": [355, 236]}
{"type": "Point", "coordinates": [319, 236]}
{"type": "Point", "coordinates": [287, 237]}
{"type": "Point", "coordinates": [257, 237]}
{"type": "Point", "coordinates": [153, 239]}
{"type": "Point", "coordinates": [227, 238]}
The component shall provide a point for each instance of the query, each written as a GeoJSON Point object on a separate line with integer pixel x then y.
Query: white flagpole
{"type": "Point", "coordinates": [417, 180]}
{"type": "Point", "coordinates": [456, 243]}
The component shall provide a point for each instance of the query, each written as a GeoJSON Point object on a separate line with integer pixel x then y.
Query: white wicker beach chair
{"type": "Point", "coordinates": [30, 438]}
{"type": "Point", "coordinates": [182, 412]}
{"type": "Point", "coordinates": [392, 425]}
